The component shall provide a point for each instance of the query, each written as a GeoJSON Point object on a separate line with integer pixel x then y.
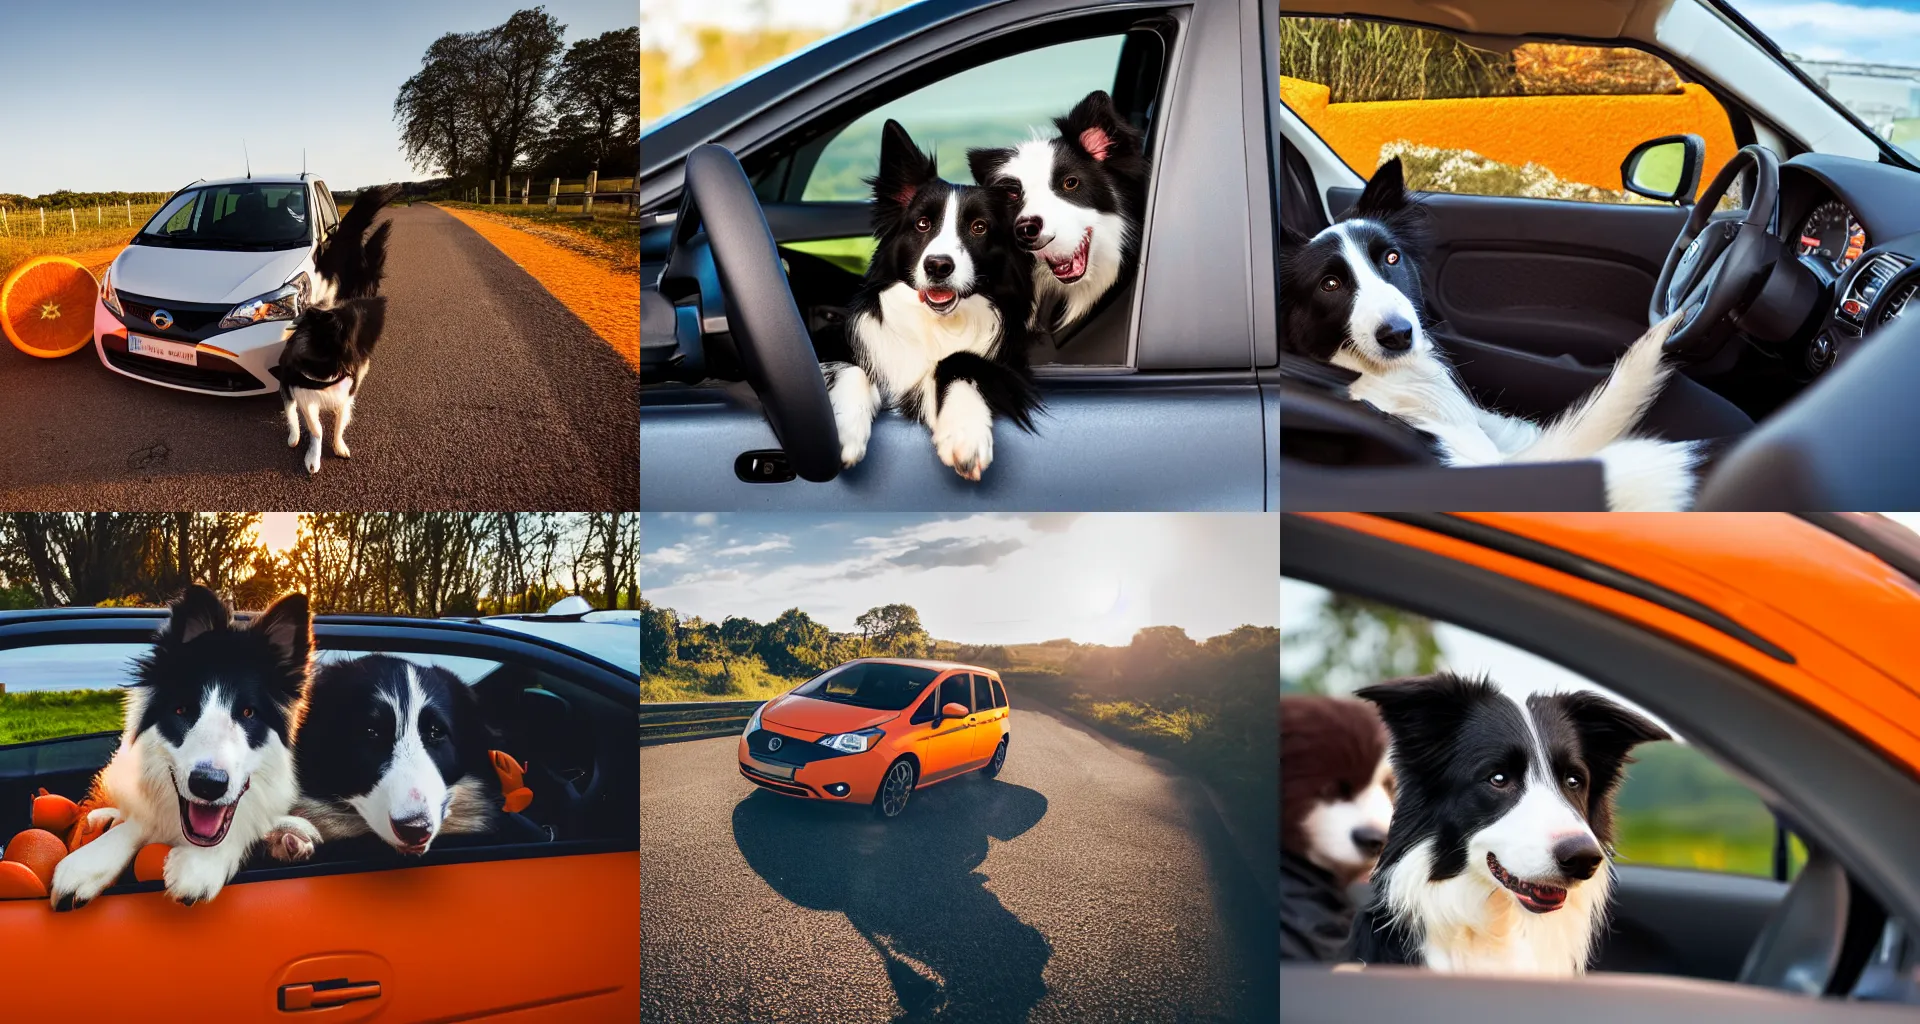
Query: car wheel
{"type": "Point", "coordinates": [894, 790]}
{"type": "Point", "coordinates": [992, 770]}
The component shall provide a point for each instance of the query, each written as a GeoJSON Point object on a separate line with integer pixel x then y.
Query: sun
{"type": "Point", "coordinates": [279, 531]}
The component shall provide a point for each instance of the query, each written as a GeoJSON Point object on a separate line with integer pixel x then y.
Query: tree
{"type": "Point", "coordinates": [439, 122]}
{"type": "Point", "coordinates": [894, 630]}
{"type": "Point", "coordinates": [596, 103]}
{"type": "Point", "coordinates": [516, 62]}
{"type": "Point", "coordinates": [1351, 642]}
{"type": "Point", "coordinates": [795, 645]}
{"type": "Point", "coordinates": [479, 100]}
{"type": "Point", "coordinates": [659, 637]}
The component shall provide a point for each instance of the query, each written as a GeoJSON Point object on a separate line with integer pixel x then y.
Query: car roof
{"type": "Point", "coordinates": [257, 179]}
{"type": "Point", "coordinates": [937, 666]}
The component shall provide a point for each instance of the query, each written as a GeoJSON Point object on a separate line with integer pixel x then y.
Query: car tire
{"type": "Point", "coordinates": [992, 770]}
{"type": "Point", "coordinates": [896, 788]}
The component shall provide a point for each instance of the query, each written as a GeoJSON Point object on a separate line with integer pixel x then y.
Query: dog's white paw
{"type": "Point", "coordinates": [293, 439]}
{"type": "Point", "coordinates": [312, 461]}
{"type": "Point", "coordinates": [292, 839]}
{"type": "Point", "coordinates": [105, 817]}
{"type": "Point", "coordinates": [852, 449]}
{"type": "Point", "coordinates": [963, 433]}
{"type": "Point", "coordinates": [194, 877]}
{"type": "Point", "coordinates": [77, 879]}
{"type": "Point", "coordinates": [340, 447]}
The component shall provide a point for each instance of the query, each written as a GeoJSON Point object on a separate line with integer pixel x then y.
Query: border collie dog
{"type": "Point", "coordinates": [938, 327]}
{"type": "Point", "coordinates": [205, 764]}
{"type": "Point", "coordinates": [327, 356]}
{"type": "Point", "coordinates": [1336, 800]}
{"type": "Point", "coordinates": [1351, 297]}
{"type": "Point", "coordinates": [397, 750]}
{"type": "Point", "coordinates": [1079, 198]}
{"type": "Point", "coordinates": [1498, 858]}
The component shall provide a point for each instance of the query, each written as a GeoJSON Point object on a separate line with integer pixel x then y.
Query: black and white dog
{"type": "Point", "coordinates": [1351, 297]}
{"type": "Point", "coordinates": [205, 764]}
{"type": "Point", "coordinates": [395, 749]}
{"type": "Point", "coordinates": [1497, 860]}
{"type": "Point", "coordinates": [327, 356]}
{"type": "Point", "coordinates": [1078, 200]}
{"type": "Point", "coordinates": [938, 327]}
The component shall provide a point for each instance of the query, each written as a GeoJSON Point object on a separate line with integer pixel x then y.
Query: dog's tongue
{"type": "Point", "coordinates": [937, 295]}
{"type": "Point", "coordinates": [204, 820]}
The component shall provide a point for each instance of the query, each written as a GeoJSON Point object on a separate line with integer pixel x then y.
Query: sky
{"type": "Point", "coordinates": [1882, 31]}
{"type": "Point", "coordinates": [982, 579]}
{"type": "Point", "coordinates": [140, 96]}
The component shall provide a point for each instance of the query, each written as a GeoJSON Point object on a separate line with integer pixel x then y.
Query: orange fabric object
{"type": "Point", "coordinates": [150, 864]}
{"type": "Point", "coordinates": [516, 797]}
{"type": "Point", "coordinates": [54, 813]}
{"type": "Point", "coordinates": [26, 871]}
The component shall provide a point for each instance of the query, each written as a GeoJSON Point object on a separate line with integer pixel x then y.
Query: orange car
{"type": "Point", "coordinates": [873, 730]}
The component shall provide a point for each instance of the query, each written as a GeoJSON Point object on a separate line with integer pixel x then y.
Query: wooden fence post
{"type": "Point", "coordinates": [98, 217]}
{"type": "Point", "coordinates": [527, 193]}
{"type": "Point", "coordinates": [490, 184]}
{"type": "Point", "coordinates": [593, 185]}
{"type": "Point", "coordinates": [43, 219]}
{"type": "Point", "coordinates": [129, 213]}
{"type": "Point", "coordinates": [553, 197]}
{"type": "Point", "coordinates": [73, 219]}
{"type": "Point", "coordinates": [4, 227]}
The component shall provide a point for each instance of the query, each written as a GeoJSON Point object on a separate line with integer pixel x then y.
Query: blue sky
{"type": "Point", "coordinates": [114, 94]}
{"type": "Point", "coordinates": [974, 579]}
{"type": "Point", "coordinates": [1882, 31]}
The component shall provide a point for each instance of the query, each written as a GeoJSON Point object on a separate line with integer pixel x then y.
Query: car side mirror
{"type": "Point", "coordinates": [1666, 168]}
{"type": "Point", "coordinates": [954, 709]}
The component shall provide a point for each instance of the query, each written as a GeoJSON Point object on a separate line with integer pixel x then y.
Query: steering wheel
{"type": "Point", "coordinates": [767, 329]}
{"type": "Point", "coordinates": [1720, 260]}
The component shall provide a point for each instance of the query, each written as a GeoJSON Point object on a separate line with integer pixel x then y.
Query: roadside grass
{"type": "Point", "coordinates": [609, 235]}
{"type": "Point", "coordinates": [21, 240]}
{"type": "Point", "coordinates": [738, 679]}
{"type": "Point", "coordinates": [48, 714]}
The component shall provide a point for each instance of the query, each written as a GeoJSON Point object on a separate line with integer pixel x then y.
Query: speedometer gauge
{"type": "Point", "coordinates": [1832, 237]}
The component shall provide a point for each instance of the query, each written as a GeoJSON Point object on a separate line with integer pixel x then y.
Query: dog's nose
{"type": "Point", "coordinates": [1394, 335]}
{"type": "Point", "coordinates": [411, 833]}
{"type": "Point", "coordinates": [1027, 229]}
{"type": "Point", "coordinates": [1578, 856]}
{"type": "Point", "coordinates": [208, 784]}
{"type": "Point", "coordinates": [1369, 840]}
{"type": "Point", "coordinates": [939, 268]}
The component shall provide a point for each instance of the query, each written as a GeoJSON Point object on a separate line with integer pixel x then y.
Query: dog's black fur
{"type": "Point", "coordinates": [328, 345]}
{"type": "Point", "coordinates": [352, 260]}
{"type": "Point", "coordinates": [1315, 317]}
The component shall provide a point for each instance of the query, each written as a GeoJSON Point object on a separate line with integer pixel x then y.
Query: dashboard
{"type": "Point", "coordinates": [1856, 226]}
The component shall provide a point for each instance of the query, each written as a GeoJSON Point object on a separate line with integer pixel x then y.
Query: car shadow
{"type": "Point", "coordinates": [911, 887]}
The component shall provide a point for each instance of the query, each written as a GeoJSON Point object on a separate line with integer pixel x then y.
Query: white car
{"type": "Point", "coordinates": [204, 297]}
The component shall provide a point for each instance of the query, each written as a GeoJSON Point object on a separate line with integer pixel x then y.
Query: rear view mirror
{"type": "Point", "coordinates": [954, 710]}
{"type": "Point", "coordinates": [1666, 168]}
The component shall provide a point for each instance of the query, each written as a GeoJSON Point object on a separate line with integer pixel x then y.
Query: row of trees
{"type": "Point", "coordinates": [65, 198]}
{"type": "Point", "coordinates": [793, 645]}
{"type": "Point", "coordinates": [515, 99]}
{"type": "Point", "coordinates": [432, 564]}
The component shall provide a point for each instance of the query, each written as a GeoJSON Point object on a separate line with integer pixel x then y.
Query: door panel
{"type": "Point", "coordinates": [1138, 443]}
{"type": "Point", "coordinates": [1542, 275]}
{"type": "Point", "coordinates": [1699, 924]}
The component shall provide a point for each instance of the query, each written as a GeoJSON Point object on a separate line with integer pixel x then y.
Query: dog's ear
{"type": "Point", "coordinates": [288, 629]}
{"type": "Point", "coordinates": [1608, 732]}
{"type": "Point", "coordinates": [1423, 711]}
{"type": "Point", "coordinates": [195, 612]}
{"type": "Point", "coordinates": [983, 162]}
{"type": "Point", "coordinates": [1291, 237]}
{"type": "Point", "coordinates": [903, 168]}
{"type": "Point", "coordinates": [1385, 194]}
{"type": "Point", "coordinates": [1094, 127]}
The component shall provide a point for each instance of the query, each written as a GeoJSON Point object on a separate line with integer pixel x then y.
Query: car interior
{"type": "Point", "coordinates": [568, 733]}
{"type": "Point", "coordinates": [823, 243]}
{"type": "Point", "coordinates": [1533, 298]}
{"type": "Point", "coordinates": [1821, 927]}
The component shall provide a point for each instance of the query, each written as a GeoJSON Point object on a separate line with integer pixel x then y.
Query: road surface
{"type": "Point", "coordinates": [486, 394]}
{"type": "Point", "coordinates": [1086, 883]}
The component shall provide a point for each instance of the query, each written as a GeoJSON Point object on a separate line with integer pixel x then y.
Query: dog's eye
{"type": "Point", "coordinates": [1329, 283]}
{"type": "Point", "coordinates": [181, 710]}
{"type": "Point", "coordinates": [1573, 782]}
{"type": "Point", "coordinates": [923, 224]}
{"type": "Point", "coordinates": [1499, 780]}
{"type": "Point", "coordinates": [1346, 791]}
{"type": "Point", "coordinates": [433, 732]}
{"type": "Point", "coordinates": [1069, 183]}
{"type": "Point", "coordinates": [1013, 193]}
{"type": "Point", "coordinates": [1392, 257]}
{"type": "Point", "coordinates": [246, 712]}
{"type": "Point", "coordinates": [979, 227]}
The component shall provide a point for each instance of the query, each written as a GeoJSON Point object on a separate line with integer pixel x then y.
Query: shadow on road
{"type": "Point", "coordinates": [952, 951]}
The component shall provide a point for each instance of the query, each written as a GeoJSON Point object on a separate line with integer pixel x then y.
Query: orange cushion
{"type": "Point", "coordinates": [150, 864]}
{"type": "Point", "coordinates": [35, 851]}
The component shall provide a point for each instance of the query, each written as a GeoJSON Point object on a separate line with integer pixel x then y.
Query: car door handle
{"type": "Point", "coordinates": [314, 995]}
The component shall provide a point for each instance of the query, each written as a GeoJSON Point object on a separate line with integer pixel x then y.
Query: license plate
{"type": "Point", "coordinates": [154, 348]}
{"type": "Point", "coordinates": [778, 771]}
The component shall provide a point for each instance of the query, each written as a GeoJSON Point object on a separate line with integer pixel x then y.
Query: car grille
{"type": "Point", "coordinates": [192, 321]}
{"type": "Point", "coordinates": [219, 375]}
{"type": "Point", "coordinates": [790, 789]}
{"type": "Point", "coordinates": [792, 751]}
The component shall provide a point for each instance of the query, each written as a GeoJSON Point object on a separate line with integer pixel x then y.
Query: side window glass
{"type": "Point", "coordinates": [60, 690]}
{"type": "Point", "coordinates": [957, 689]}
{"type": "Point", "coordinates": [999, 695]}
{"type": "Point", "coordinates": [924, 713]}
{"type": "Point", "coordinates": [1468, 119]}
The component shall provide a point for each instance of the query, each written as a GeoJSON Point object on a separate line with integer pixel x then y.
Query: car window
{"type": "Point", "coordinates": [957, 689]}
{"type": "Point", "coordinates": [324, 207]}
{"type": "Point", "coordinates": [993, 104]}
{"type": "Point", "coordinates": [242, 217]}
{"type": "Point", "coordinates": [1466, 118]}
{"type": "Point", "coordinates": [999, 695]}
{"type": "Point", "coordinates": [1678, 806]}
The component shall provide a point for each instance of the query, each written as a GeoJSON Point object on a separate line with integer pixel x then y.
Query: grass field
{"type": "Point", "coordinates": [22, 240]}
{"type": "Point", "coordinates": [46, 714]}
{"type": "Point", "coordinates": [609, 235]}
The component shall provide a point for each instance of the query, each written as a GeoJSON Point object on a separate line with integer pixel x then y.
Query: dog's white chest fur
{"type": "Point", "coordinates": [903, 345]}
{"type": "Point", "coordinates": [1469, 925]}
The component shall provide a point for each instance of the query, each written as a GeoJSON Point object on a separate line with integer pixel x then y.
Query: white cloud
{"type": "Point", "coordinates": [1824, 30]}
{"type": "Point", "coordinates": [777, 542]}
{"type": "Point", "coordinates": [705, 519]}
{"type": "Point", "coordinates": [672, 554]}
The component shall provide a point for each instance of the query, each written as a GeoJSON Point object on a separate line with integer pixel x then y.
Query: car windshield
{"type": "Point", "coordinates": [1865, 58]}
{"type": "Point", "coordinates": [611, 636]}
{"type": "Point", "coordinates": [869, 684]}
{"type": "Point", "coordinates": [248, 217]}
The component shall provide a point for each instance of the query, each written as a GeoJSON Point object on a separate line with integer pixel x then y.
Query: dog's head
{"type": "Point", "coordinates": [211, 705]}
{"type": "Point", "coordinates": [1356, 285]}
{"type": "Point", "coordinates": [393, 740]}
{"type": "Point", "coordinates": [328, 341]}
{"type": "Point", "coordinates": [1518, 796]}
{"type": "Point", "coordinates": [948, 242]}
{"type": "Point", "coordinates": [1077, 196]}
{"type": "Point", "coordinates": [1336, 788]}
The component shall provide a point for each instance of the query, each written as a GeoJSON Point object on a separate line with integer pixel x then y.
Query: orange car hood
{"type": "Point", "coordinates": [824, 717]}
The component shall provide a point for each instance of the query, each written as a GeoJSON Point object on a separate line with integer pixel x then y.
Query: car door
{"type": "Point", "coordinates": [1164, 412]}
{"type": "Point", "coordinates": [989, 713]}
{"type": "Point", "coordinates": [379, 934]}
{"type": "Point", "coordinates": [946, 747]}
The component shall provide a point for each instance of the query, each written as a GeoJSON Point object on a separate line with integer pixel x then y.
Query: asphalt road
{"type": "Point", "coordinates": [486, 394]}
{"type": "Point", "coordinates": [1086, 883]}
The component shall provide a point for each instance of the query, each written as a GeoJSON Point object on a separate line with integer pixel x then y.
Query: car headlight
{"type": "Point", "coordinates": [283, 303]}
{"type": "Point", "coordinates": [753, 724]}
{"type": "Point", "coordinates": [108, 296]}
{"type": "Point", "coordinates": [853, 742]}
